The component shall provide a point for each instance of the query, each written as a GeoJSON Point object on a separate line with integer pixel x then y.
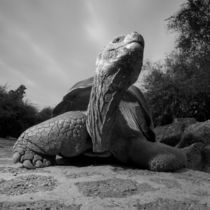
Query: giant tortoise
{"type": "Point", "coordinates": [105, 115]}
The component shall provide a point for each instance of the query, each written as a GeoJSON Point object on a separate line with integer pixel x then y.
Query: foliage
{"type": "Point", "coordinates": [16, 115]}
{"type": "Point", "coordinates": [180, 86]}
{"type": "Point", "coordinates": [174, 91]}
{"type": "Point", "coordinates": [44, 114]}
{"type": "Point", "coordinates": [192, 22]}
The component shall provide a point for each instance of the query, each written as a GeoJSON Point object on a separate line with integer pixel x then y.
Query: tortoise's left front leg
{"type": "Point", "coordinates": [64, 135]}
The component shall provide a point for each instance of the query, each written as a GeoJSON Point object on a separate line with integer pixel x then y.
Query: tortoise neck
{"type": "Point", "coordinates": [101, 114]}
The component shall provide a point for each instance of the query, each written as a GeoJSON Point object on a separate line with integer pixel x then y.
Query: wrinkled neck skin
{"type": "Point", "coordinates": [113, 77]}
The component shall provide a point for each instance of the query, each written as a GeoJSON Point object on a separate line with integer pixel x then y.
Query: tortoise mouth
{"type": "Point", "coordinates": [132, 37]}
{"type": "Point", "coordinates": [137, 42]}
{"type": "Point", "coordinates": [130, 52]}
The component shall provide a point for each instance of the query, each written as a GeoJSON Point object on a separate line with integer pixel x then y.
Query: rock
{"type": "Point", "coordinates": [206, 152]}
{"type": "Point", "coordinates": [171, 134]}
{"type": "Point", "coordinates": [197, 132]}
{"type": "Point", "coordinates": [41, 204]}
{"type": "Point", "coordinates": [100, 186]}
{"type": "Point", "coordinates": [27, 184]}
{"type": "Point", "coordinates": [184, 132]}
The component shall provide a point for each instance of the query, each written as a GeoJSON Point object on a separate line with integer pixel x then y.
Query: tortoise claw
{"type": "Point", "coordinates": [16, 157]}
{"type": "Point", "coordinates": [38, 164]}
{"type": "Point", "coordinates": [28, 164]}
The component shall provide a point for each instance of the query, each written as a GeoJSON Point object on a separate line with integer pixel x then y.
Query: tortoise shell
{"type": "Point", "coordinates": [77, 99]}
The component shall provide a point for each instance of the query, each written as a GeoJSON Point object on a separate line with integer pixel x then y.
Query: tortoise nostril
{"type": "Point", "coordinates": [118, 39]}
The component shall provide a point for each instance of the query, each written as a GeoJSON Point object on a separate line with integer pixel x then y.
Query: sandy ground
{"type": "Point", "coordinates": [98, 184]}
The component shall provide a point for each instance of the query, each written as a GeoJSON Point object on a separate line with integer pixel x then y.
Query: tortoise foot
{"type": "Point", "coordinates": [31, 160]}
{"type": "Point", "coordinates": [166, 163]}
{"type": "Point", "coordinates": [65, 134]}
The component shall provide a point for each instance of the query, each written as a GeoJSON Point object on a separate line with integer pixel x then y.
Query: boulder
{"type": "Point", "coordinates": [187, 133]}
{"type": "Point", "coordinates": [206, 157]}
{"type": "Point", "coordinates": [171, 134]}
{"type": "Point", "coordinates": [198, 133]}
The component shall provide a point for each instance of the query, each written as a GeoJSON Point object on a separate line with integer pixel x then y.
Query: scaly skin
{"type": "Point", "coordinates": [64, 135]}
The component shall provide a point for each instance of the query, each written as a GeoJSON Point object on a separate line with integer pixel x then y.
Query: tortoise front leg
{"type": "Point", "coordinates": [64, 135]}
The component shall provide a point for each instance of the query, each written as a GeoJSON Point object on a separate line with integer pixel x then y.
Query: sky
{"type": "Point", "coordinates": [49, 45]}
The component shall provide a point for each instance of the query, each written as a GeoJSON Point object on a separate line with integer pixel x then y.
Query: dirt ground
{"type": "Point", "coordinates": [81, 184]}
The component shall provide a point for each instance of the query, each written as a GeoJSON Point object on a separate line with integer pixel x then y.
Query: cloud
{"type": "Point", "coordinates": [48, 63]}
{"type": "Point", "coordinates": [51, 46]}
{"type": "Point", "coordinates": [25, 61]}
{"type": "Point", "coordinates": [94, 25]}
{"type": "Point", "coordinates": [19, 47]}
{"type": "Point", "coordinates": [14, 73]}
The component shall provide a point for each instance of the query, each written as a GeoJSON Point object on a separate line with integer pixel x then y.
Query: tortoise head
{"type": "Point", "coordinates": [121, 60]}
{"type": "Point", "coordinates": [117, 67]}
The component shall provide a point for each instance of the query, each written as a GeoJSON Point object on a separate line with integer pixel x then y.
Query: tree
{"type": "Point", "coordinates": [180, 86]}
{"type": "Point", "coordinates": [192, 22]}
{"type": "Point", "coordinates": [16, 115]}
{"type": "Point", "coordinates": [44, 114]}
{"type": "Point", "coordinates": [18, 94]}
{"type": "Point", "coordinates": [173, 90]}
{"type": "Point", "coordinates": [160, 93]}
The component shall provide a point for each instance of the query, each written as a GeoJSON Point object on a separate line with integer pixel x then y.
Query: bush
{"type": "Point", "coordinates": [17, 115]}
{"type": "Point", "coordinates": [178, 89]}
{"type": "Point", "coordinates": [180, 86]}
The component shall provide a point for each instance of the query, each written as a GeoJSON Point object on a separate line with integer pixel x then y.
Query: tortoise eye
{"type": "Point", "coordinates": [118, 39]}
